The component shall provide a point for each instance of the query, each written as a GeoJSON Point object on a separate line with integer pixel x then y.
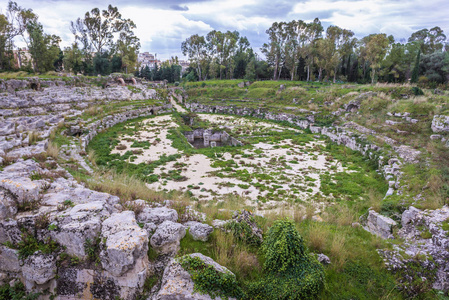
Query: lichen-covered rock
{"type": "Point", "coordinates": [157, 215]}
{"type": "Point", "coordinates": [9, 260]}
{"type": "Point", "coordinates": [424, 235]}
{"type": "Point", "coordinates": [39, 268]}
{"type": "Point", "coordinates": [177, 282]}
{"type": "Point", "coordinates": [219, 223]}
{"type": "Point", "coordinates": [16, 179]}
{"type": "Point", "coordinates": [380, 225]}
{"type": "Point", "coordinates": [440, 123]}
{"type": "Point", "coordinates": [125, 243]}
{"type": "Point", "coordinates": [10, 231]}
{"type": "Point", "coordinates": [167, 237]}
{"type": "Point", "coordinates": [199, 231]}
{"type": "Point", "coordinates": [78, 224]}
{"type": "Point", "coordinates": [8, 206]}
{"type": "Point", "coordinates": [323, 259]}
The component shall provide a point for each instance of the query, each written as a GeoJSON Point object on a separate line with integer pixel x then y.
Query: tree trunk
{"type": "Point", "coordinates": [308, 72]}
{"type": "Point", "coordinates": [374, 73]}
{"type": "Point", "coordinates": [275, 68]}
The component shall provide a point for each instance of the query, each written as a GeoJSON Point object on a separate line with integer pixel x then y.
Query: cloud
{"type": "Point", "coordinates": [179, 7]}
{"type": "Point", "coordinates": [163, 25]}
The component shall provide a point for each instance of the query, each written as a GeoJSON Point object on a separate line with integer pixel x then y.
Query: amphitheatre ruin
{"type": "Point", "coordinates": [106, 189]}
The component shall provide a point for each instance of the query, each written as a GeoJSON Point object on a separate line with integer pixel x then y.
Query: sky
{"type": "Point", "coordinates": [163, 25]}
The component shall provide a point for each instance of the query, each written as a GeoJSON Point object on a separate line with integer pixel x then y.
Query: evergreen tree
{"type": "Point", "coordinates": [250, 71]}
{"type": "Point", "coordinates": [415, 73]}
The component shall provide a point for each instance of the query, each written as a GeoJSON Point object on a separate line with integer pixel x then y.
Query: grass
{"type": "Point", "coordinates": [353, 252]}
{"type": "Point", "coordinates": [53, 150]}
{"type": "Point", "coordinates": [127, 187]}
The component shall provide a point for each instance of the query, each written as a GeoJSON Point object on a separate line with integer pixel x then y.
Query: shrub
{"type": "Point", "coordinates": [16, 292]}
{"type": "Point", "coordinates": [92, 248]}
{"type": "Point", "coordinates": [29, 245]}
{"type": "Point", "coordinates": [291, 272]}
{"type": "Point", "coordinates": [242, 232]}
{"type": "Point", "coordinates": [417, 91]}
{"type": "Point", "coordinates": [207, 280]}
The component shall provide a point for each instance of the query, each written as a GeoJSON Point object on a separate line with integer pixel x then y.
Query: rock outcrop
{"type": "Point", "coordinates": [167, 237]}
{"type": "Point", "coordinates": [380, 225]}
{"type": "Point", "coordinates": [177, 282]}
{"type": "Point", "coordinates": [440, 124]}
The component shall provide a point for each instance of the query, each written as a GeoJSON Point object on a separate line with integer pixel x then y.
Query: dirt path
{"type": "Point", "coordinates": [178, 107]}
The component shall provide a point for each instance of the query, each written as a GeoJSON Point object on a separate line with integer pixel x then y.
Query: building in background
{"type": "Point", "coordinates": [184, 64]}
{"type": "Point", "coordinates": [22, 57]}
{"type": "Point", "coordinates": [148, 59]}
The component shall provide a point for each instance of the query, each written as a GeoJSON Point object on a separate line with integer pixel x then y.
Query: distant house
{"type": "Point", "coordinates": [22, 57]}
{"type": "Point", "coordinates": [184, 64]}
{"type": "Point", "coordinates": [148, 59]}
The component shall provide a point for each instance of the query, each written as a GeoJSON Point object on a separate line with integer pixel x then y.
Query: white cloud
{"type": "Point", "coordinates": [162, 29]}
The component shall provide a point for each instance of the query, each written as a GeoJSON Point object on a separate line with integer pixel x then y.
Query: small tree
{"type": "Point", "coordinates": [250, 71]}
{"type": "Point", "coordinates": [291, 272]}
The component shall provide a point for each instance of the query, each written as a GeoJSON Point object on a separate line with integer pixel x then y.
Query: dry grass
{"type": "Point", "coordinates": [13, 75]}
{"type": "Point", "coordinates": [318, 236]}
{"type": "Point", "coordinates": [92, 157]}
{"type": "Point", "coordinates": [235, 257]}
{"type": "Point", "coordinates": [52, 150]}
{"type": "Point", "coordinates": [222, 210]}
{"type": "Point", "coordinates": [33, 137]}
{"type": "Point", "coordinates": [434, 201]}
{"type": "Point", "coordinates": [297, 89]}
{"type": "Point", "coordinates": [179, 203]}
{"type": "Point", "coordinates": [94, 110]}
{"type": "Point", "coordinates": [137, 208]}
{"type": "Point", "coordinates": [375, 200]}
{"type": "Point", "coordinates": [310, 211]}
{"type": "Point", "coordinates": [343, 217]}
{"type": "Point", "coordinates": [124, 186]}
{"type": "Point", "coordinates": [313, 106]}
{"type": "Point", "coordinates": [338, 253]}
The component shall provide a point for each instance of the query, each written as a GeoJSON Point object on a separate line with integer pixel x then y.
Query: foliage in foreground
{"type": "Point", "coordinates": [16, 292]}
{"type": "Point", "coordinates": [291, 272]}
{"type": "Point", "coordinates": [207, 280]}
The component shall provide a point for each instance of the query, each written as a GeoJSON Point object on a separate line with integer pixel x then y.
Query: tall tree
{"type": "Point", "coordinates": [222, 47]}
{"type": "Point", "coordinates": [313, 32]}
{"type": "Point", "coordinates": [415, 73]}
{"type": "Point", "coordinates": [196, 48]}
{"type": "Point", "coordinates": [98, 29]}
{"type": "Point", "coordinates": [44, 48]}
{"type": "Point", "coordinates": [431, 40]}
{"type": "Point", "coordinates": [275, 50]}
{"type": "Point", "coordinates": [73, 59]}
{"type": "Point", "coordinates": [376, 46]}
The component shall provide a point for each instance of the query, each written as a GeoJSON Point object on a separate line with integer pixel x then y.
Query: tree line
{"type": "Point", "coordinates": [104, 42]}
{"type": "Point", "coordinates": [298, 50]}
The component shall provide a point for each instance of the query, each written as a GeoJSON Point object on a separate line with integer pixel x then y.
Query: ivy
{"type": "Point", "coordinates": [291, 272]}
{"type": "Point", "coordinates": [209, 281]}
{"type": "Point", "coordinates": [242, 232]}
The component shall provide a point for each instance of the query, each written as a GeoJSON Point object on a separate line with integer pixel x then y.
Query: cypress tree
{"type": "Point", "coordinates": [415, 72]}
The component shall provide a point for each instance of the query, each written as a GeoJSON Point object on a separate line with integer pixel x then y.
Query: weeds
{"type": "Point", "coordinates": [53, 150]}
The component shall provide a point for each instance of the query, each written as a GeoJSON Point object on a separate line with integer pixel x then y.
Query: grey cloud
{"type": "Point", "coordinates": [179, 7]}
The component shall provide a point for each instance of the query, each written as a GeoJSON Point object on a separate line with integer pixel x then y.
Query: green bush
{"type": "Point", "coordinates": [16, 292]}
{"type": "Point", "coordinates": [29, 245]}
{"type": "Point", "coordinates": [417, 91]}
{"type": "Point", "coordinates": [242, 232]}
{"type": "Point", "coordinates": [207, 280]}
{"type": "Point", "coordinates": [291, 272]}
